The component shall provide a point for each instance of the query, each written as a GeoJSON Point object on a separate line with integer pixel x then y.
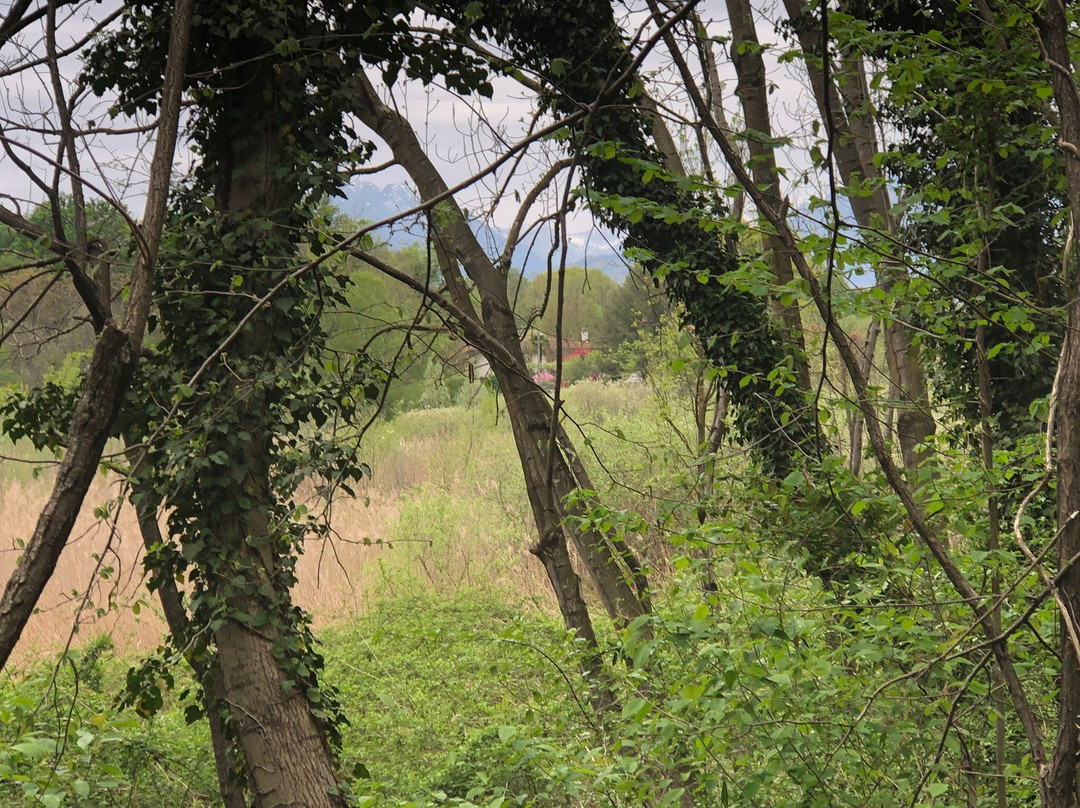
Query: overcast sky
{"type": "Point", "coordinates": [462, 136]}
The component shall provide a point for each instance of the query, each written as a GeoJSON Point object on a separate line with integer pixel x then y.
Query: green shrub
{"type": "Point", "coordinates": [63, 742]}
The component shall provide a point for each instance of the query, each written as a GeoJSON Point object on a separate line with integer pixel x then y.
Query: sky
{"type": "Point", "coordinates": [462, 136]}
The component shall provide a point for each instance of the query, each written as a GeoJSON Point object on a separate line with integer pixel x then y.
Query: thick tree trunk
{"type": "Point", "coordinates": [284, 748]}
{"type": "Point", "coordinates": [1059, 783]}
{"type": "Point", "coordinates": [286, 755]}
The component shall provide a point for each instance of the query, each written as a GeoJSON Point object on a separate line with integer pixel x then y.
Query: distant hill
{"type": "Point", "coordinates": [593, 249]}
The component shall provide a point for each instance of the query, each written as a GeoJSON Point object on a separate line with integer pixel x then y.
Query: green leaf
{"type": "Point", "coordinates": [635, 709]}
{"type": "Point", "coordinates": [936, 789]}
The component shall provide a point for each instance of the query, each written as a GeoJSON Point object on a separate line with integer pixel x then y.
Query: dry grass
{"type": "Point", "coordinates": [98, 585]}
{"type": "Point", "coordinates": [387, 541]}
{"type": "Point", "coordinates": [99, 570]}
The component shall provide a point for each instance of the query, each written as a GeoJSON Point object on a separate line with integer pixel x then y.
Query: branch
{"type": "Point", "coordinates": [86, 288]}
{"type": "Point", "coordinates": [107, 379]}
{"type": "Point", "coordinates": [530, 199]}
{"type": "Point", "coordinates": [846, 349]}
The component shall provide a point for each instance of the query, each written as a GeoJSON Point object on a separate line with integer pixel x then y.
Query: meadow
{"type": "Point", "coordinates": [438, 625]}
{"type": "Point", "coordinates": [444, 509]}
{"type": "Point", "coordinates": [444, 648]}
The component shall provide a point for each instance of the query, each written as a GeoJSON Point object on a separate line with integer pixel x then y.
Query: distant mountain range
{"type": "Point", "coordinates": [593, 249]}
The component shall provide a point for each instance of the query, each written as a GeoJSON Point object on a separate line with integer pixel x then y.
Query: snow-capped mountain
{"type": "Point", "coordinates": [594, 249]}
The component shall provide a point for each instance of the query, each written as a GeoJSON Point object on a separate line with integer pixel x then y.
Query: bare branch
{"type": "Point", "coordinates": [111, 366]}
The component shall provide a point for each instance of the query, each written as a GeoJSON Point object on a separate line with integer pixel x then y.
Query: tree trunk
{"type": "Point", "coordinates": [284, 747]}
{"type": "Point", "coordinates": [1059, 781]}
{"type": "Point", "coordinates": [111, 366]}
{"type": "Point", "coordinates": [209, 675]}
{"type": "Point", "coordinates": [753, 93]}
{"type": "Point", "coordinates": [286, 755]}
{"type": "Point", "coordinates": [103, 392]}
{"type": "Point", "coordinates": [854, 147]}
{"type": "Point", "coordinates": [993, 545]}
{"type": "Point", "coordinates": [629, 565]}
{"type": "Point", "coordinates": [530, 411]}
{"type": "Point", "coordinates": [869, 348]}
{"type": "Point", "coordinates": [914, 423]}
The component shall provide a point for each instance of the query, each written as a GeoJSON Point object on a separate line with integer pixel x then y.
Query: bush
{"type": "Point", "coordinates": [63, 742]}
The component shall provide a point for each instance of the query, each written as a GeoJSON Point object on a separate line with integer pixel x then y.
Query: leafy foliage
{"type": "Point", "coordinates": [977, 151]}
{"type": "Point", "coordinates": [62, 741]}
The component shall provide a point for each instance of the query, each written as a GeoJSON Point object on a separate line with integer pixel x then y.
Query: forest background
{"type": "Point", "coordinates": [795, 523]}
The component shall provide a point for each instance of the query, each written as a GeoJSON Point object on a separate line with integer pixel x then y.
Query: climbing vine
{"type": "Point", "coordinates": [670, 223]}
{"type": "Point", "coordinates": [244, 401]}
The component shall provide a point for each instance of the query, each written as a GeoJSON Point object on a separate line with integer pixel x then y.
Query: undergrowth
{"type": "Point", "coordinates": [430, 685]}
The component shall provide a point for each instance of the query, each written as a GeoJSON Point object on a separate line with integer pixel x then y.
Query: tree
{"type": "Point", "coordinates": [117, 347]}
{"type": "Point", "coordinates": [239, 316]}
{"type": "Point", "coordinates": [234, 404]}
{"type": "Point", "coordinates": [658, 212]}
{"type": "Point", "coordinates": [636, 307]}
{"type": "Point", "coordinates": [548, 461]}
{"type": "Point", "coordinates": [1055, 777]}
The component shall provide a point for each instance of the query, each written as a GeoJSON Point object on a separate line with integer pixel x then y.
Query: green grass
{"type": "Point", "coordinates": [423, 679]}
{"type": "Point", "coordinates": [430, 686]}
